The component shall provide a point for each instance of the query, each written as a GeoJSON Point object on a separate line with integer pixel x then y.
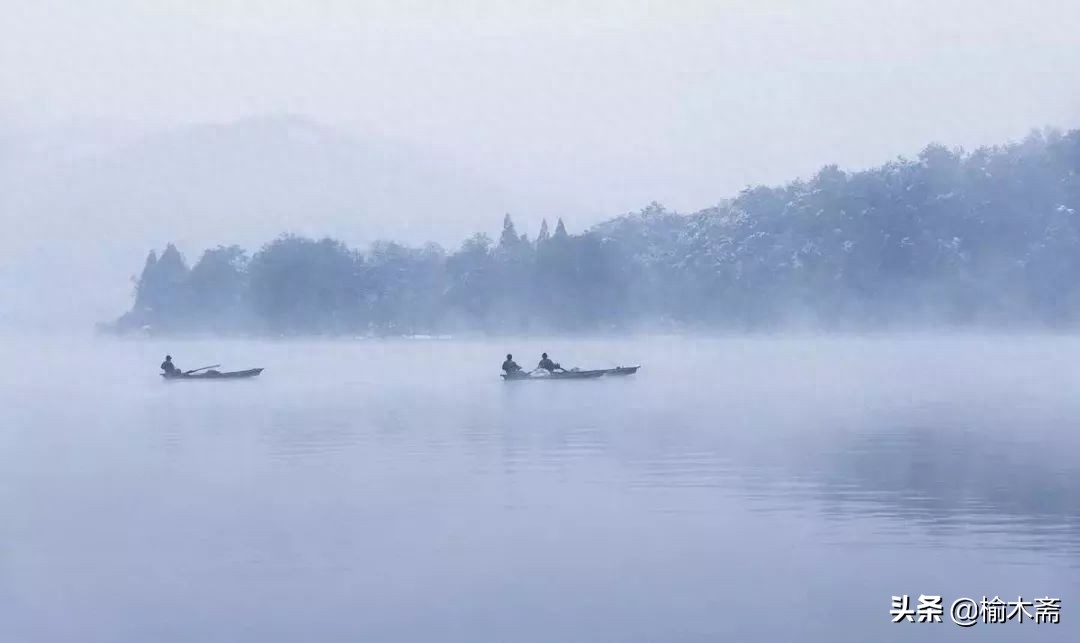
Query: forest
{"type": "Point", "coordinates": [989, 237]}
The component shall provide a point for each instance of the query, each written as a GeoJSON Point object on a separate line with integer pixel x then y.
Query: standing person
{"type": "Point", "coordinates": [548, 365]}
{"type": "Point", "coordinates": [169, 367]}
{"type": "Point", "coordinates": [510, 366]}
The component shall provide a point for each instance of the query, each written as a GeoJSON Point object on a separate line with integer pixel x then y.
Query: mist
{"type": "Point", "coordinates": [132, 125]}
{"type": "Point", "coordinates": [539, 321]}
{"type": "Point", "coordinates": [398, 490]}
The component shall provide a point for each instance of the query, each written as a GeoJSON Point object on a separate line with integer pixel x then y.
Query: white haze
{"type": "Point", "coordinates": [125, 124]}
{"type": "Point", "coordinates": [342, 497]}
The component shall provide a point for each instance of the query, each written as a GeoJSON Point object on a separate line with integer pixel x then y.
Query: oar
{"type": "Point", "coordinates": [196, 370]}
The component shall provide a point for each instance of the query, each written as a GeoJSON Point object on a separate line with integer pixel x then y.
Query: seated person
{"type": "Point", "coordinates": [510, 366]}
{"type": "Point", "coordinates": [548, 365]}
{"type": "Point", "coordinates": [169, 367]}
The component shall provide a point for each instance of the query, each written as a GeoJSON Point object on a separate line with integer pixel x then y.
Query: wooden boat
{"type": "Point", "coordinates": [214, 375]}
{"type": "Point", "coordinates": [573, 375]}
{"type": "Point", "coordinates": [558, 375]}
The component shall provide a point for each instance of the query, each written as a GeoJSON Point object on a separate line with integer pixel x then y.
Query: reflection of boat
{"type": "Point", "coordinates": [215, 375]}
{"type": "Point", "coordinates": [573, 375]}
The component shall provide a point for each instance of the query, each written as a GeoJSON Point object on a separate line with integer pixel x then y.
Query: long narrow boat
{"type": "Point", "coordinates": [562, 375]}
{"type": "Point", "coordinates": [574, 375]}
{"type": "Point", "coordinates": [214, 375]}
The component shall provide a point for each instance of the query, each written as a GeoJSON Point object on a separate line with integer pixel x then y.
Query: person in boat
{"type": "Point", "coordinates": [510, 366]}
{"type": "Point", "coordinates": [548, 365]}
{"type": "Point", "coordinates": [169, 367]}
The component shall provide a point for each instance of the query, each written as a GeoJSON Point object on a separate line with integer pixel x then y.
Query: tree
{"type": "Point", "coordinates": [303, 286]}
{"type": "Point", "coordinates": [217, 287]}
{"type": "Point", "coordinates": [544, 235]}
{"type": "Point", "coordinates": [988, 236]}
{"type": "Point", "coordinates": [560, 231]}
{"type": "Point", "coordinates": [472, 274]}
{"type": "Point", "coordinates": [144, 285]}
{"type": "Point", "coordinates": [509, 237]}
{"type": "Point", "coordinates": [406, 287]}
{"type": "Point", "coordinates": [161, 299]}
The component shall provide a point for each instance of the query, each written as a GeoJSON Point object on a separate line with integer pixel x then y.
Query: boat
{"type": "Point", "coordinates": [215, 375]}
{"type": "Point", "coordinates": [573, 374]}
{"type": "Point", "coordinates": [561, 375]}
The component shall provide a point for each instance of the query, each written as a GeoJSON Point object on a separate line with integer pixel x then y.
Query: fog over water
{"type": "Point", "coordinates": [226, 181]}
{"type": "Point", "coordinates": [765, 488]}
{"type": "Point", "coordinates": [126, 125]}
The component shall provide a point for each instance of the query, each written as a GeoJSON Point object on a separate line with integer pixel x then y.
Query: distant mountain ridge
{"type": "Point", "coordinates": [250, 179]}
{"type": "Point", "coordinates": [82, 199]}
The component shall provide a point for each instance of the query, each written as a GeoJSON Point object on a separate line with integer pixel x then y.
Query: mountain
{"type": "Point", "coordinates": [252, 178]}
{"type": "Point", "coordinates": [83, 200]}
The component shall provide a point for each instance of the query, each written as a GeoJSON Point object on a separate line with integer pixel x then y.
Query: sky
{"type": "Point", "coordinates": [600, 107]}
{"type": "Point", "coordinates": [610, 104]}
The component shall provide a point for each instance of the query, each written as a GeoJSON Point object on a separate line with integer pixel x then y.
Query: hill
{"type": "Point", "coordinates": [988, 237]}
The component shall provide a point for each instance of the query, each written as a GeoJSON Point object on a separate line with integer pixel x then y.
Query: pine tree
{"type": "Point", "coordinates": [544, 234]}
{"type": "Point", "coordinates": [144, 287]}
{"type": "Point", "coordinates": [560, 231]}
{"type": "Point", "coordinates": [160, 293]}
{"type": "Point", "coordinates": [509, 237]}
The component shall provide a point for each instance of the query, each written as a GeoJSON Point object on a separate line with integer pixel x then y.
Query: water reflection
{"type": "Point", "coordinates": [325, 503]}
{"type": "Point", "coordinates": [950, 479]}
{"type": "Point", "coordinates": [901, 456]}
{"type": "Point", "coordinates": [943, 480]}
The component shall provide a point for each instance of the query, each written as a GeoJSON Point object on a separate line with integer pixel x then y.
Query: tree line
{"type": "Point", "coordinates": [987, 237]}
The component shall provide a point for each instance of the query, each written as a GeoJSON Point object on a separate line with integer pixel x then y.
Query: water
{"type": "Point", "coordinates": [758, 489]}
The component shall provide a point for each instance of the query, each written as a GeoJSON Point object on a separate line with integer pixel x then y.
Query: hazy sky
{"type": "Point", "coordinates": [608, 104]}
{"type": "Point", "coordinates": [598, 106]}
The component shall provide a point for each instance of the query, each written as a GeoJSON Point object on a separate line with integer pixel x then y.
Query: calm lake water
{"type": "Point", "coordinates": [765, 489]}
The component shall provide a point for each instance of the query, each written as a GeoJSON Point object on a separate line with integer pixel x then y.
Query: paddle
{"type": "Point", "coordinates": [196, 370]}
